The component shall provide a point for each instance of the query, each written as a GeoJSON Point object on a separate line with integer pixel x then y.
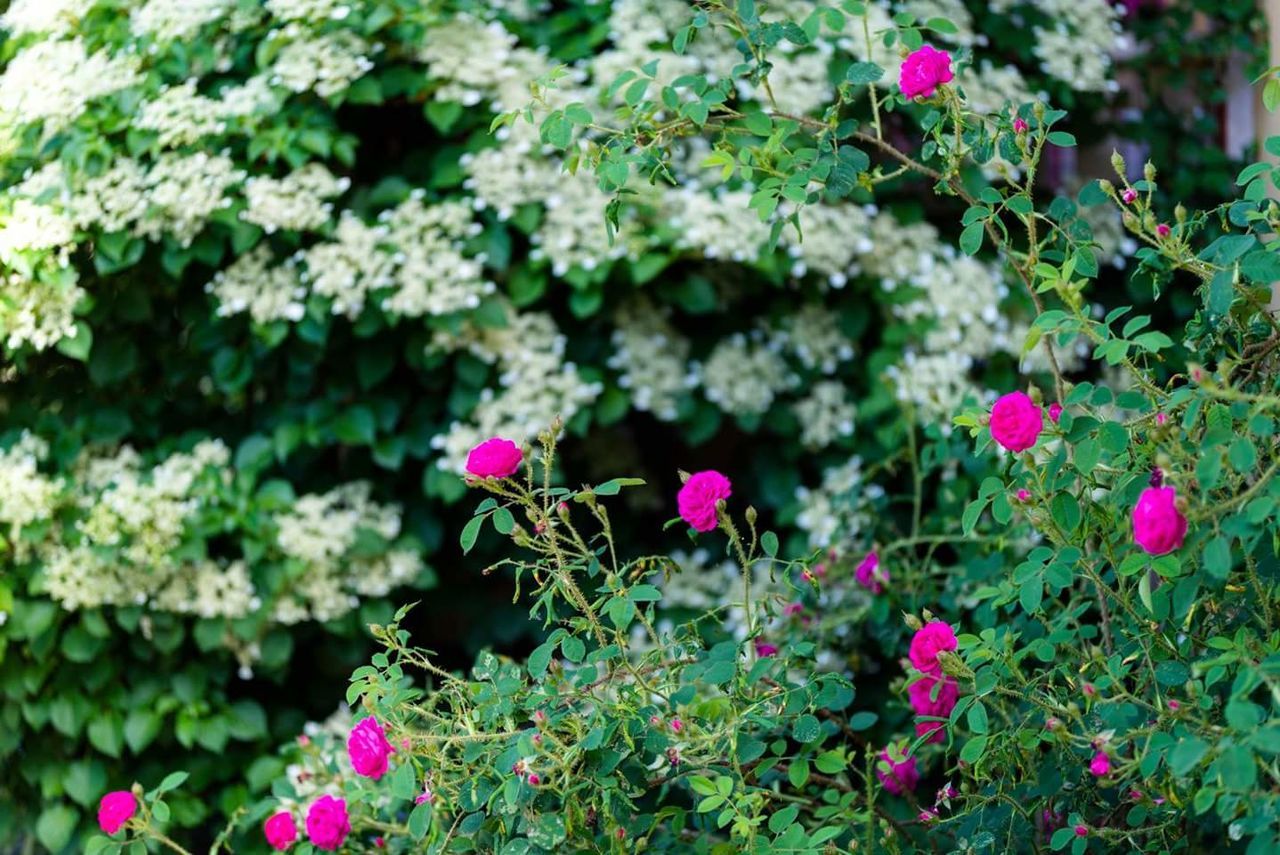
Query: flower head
{"type": "Point", "coordinates": [923, 71]}
{"type": "Point", "coordinates": [1016, 421]}
{"type": "Point", "coordinates": [930, 640]}
{"type": "Point", "coordinates": [932, 696]}
{"type": "Point", "coordinates": [494, 458]}
{"type": "Point", "coordinates": [368, 748]}
{"type": "Point", "coordinates": [115, 810]}
{"type": "Point", "coordinates": [764, 649]}
{"type": "Point", "coordinates": [1129, 195]}
{"type": "Point", "coordinates": [280, 830]}
{"type": "Point", "coordinates": [1082, 831]}
{"type": "Point", "coordinates": [1024, 495]}
{"type": "Point", "coordinates": [869, 574]}
{"type": "Point", "coordinates": [1163, 230]}
{"type": "Point", "coordinates": [1100, 765]}
{"type": "Point", "coordinates": [897, 777]}
{"type": "Point", "coordinates": [698, 497]}
{"type": "Point", "coordinates": [327, 823]}
{"type": "Point", "coordinates": [1055, 412]}
{"type": "Point", "coordinates": [1019, 125]}
{"type": "Point", "coordinates": [1158, 525]}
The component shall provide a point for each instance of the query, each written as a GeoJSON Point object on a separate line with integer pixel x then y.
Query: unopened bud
{"type": "Point", "coordinates": [912, 621]}
{"type": "Point", "coordinates": [1107, 186]}
{"type": "Point", "coordinates": [1180, 213]}
{"type": "Point", "coordinates": [1149, 171]}
{"type": "Point", "coordinates": [1117, 163]}
{"type": "Point", "coordinates": [684, 476]}
{"type": "Point", "coordinates": [751, 515]}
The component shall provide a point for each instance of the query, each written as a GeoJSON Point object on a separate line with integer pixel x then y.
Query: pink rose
{"type": "Point", "coordinates": [1100, 766]}
{"type": "Point", "coordinates": [1158, 525]}
{"type": "Point", "coordinates": [1163, 230]}
{"type": "Point", "coordinates": [115, 810]}
{"type": "Point", "coordinates": [1019, 125]}
{"type": "Point", "coordinates": [494, 458]}
{"type": "Point", "coordinates": [924, 702]}
{"type": "Point", "coordinates": [368, 748]}
{"type": "Point", "coordinates": [280, 831]}
{"type": "Point", "coordinates": [1129, 195]}
{"type": "Point", "coordinates": [930, 640]}
{"type": "Point", "coordinates": [1016, 422]}
{"type": "Point", "coordinates": [1024, 495]}
{"type": "Point", "coordinates": [923, 71]}
{"type": "Point", "coordinates": [897, 778]}
{"type": "Point", "coordinates": [764, 649]}
{"type": "Point", "coordinates": [1055, 412]}
{"type": "Point", "coordinates": [327, 823]}
{"type": "Point", "coordinates": [869, 574]}
{"type": "Point", "coordinates": [697, 499]}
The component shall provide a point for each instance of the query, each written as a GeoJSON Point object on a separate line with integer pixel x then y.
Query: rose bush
{"type": "Point", "coordinates": [1087, 648]}
{"type": "Point", "coordinates": [272, 248]}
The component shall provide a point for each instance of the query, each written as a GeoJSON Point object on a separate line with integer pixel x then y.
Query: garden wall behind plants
{"type": "Point", "coordinates": [268, 276]}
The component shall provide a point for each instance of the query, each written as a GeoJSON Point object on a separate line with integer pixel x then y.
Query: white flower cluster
{"type": "Point", "coordinates": [744, 374]}
{"type": "Point", "coordinates": [251, 284]}
{"type": "Point", "coordinates": [825, 415]}
{"type": "Point", "coordinates": [534, 386]}
{"type": "Point", "coordinates": [477, 61]}
{"type": "Point", "coordinates": [171, 20]}
{"type": "Point", "coordinates": [54, 17]}
{"type": "Point", "coordinates": [54, 81]}
{"type": "Point", "coordinates": [1079, 46]}
{"type": "Point", "coordinates": [839, 508]}
{"type": "Point", "coordinates": [296, 202]}
{"type": "Point", "coordinates": [812, 333]}
{"type": "Point", "coordinates": [719, 226]}
{"type": "Point", "coordinates": [320, 531]}
{"type": "Point", "coordinates": [26, 495]}
{"type": "Point", "coordinates": [309, 10]}
{"type": "Point", "coordinates": [835, 239]}
{"type": "Point", "coordinates": [327, 63]}
{"type": "Point", "coordinates": [651, 359]}
{"type": "Point", "coordinates": [180, 115]}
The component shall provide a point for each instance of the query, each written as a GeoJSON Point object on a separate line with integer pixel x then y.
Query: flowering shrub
{"type": "Point", "coordinates": [272, 248]}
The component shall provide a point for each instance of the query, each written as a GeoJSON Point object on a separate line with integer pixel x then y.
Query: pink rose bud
{"type": "Point", "coordinates": [494, 458]}
{"type": "Point", "coordinates": [654, 721]}
{"type": "Point", "coordinates": [534, 780]}
{"type": "Point", "coordinates": [1055, 412]}
{"type": "Point", "coordinates": [897, 778]}
{"type": "Point", "coordinates": [764, 649]}
{"type": "Point", "coordinates": [1089, 690]}
{"type": "Point", "coordinates": [1158, 526]}
{"type": "Point", "coordinates": [869, 575]}
{"type": "Point", "coordinates": [304, 740]}
{"type": "Point", "coordinates": [1016, 422]}
{"type": "Point", "coordinates": [930, 640]}
{"type": "Point", "coordinates": [1024, 495]}
{"type": "Point", "coordinates": [927, 816]}
{"type": "Point", "coordinates": [280, 831]}
{"type": "Point", "coordinates": [327, 823]}
{"type": "Point", "coordinates": [1081, 831]}
{"type": "Point", "coordinates": [697, 499]}
{"type": "Point", "coordinates": [115, 809]}
{"type": "Point", "coordinates": [1163, 230]}
{"type": "Point", "coordinates": [1174, 706]}
{"type": "Point", "coordinates": [1019, 125]}
{"type": "Point", "coordinates": [923, 71]}
{"type": "Point", "coordinates": [677, 725]}
{"type": "Point", "coordinates": [1161, 419]}
{"type": "Point", "coordinates": [379, 842]}
{"type": "Point", "coordinates": [1052, 723]}
{"type": "Point", "coordinates": [793, 609]}
{"type": "Point", "coordinates": [1100, 766]}
{"type": "Point", "coordinates": [368, 748]}
{"type": "Point", "coordinates": [1135, 795]}
{"type": "Point", "coordinates": [1130, 195]}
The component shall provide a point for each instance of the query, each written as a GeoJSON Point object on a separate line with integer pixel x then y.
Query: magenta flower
{"type": "Point", "coordinates": [115, 810]}
{"type": "Point", "coordinates": [1163, 230]}
{"type": "Point", "coordinates": [923, 71]}
{"type": "Point", "coordinates": [1024, 495]}
{"type": "Point", "coordinates": [869, 574]}
{"type": "Point", "coordinates": [280, 830]}
{"type": "Point", "coordinates": [1055, 412]}
{"type": "Point", "coordinates": [697, 499]}
{"type": "Point", "coordinates": [368, 748]}
{"type": "Point", "coordinates": [764, 649]}
{"type": "Point", "coordinates": [1082, 831]}
{"type": "Point", "coordinates": [1100, 766]}
{"type": "Point", "coordinates": [494, 458]}
{"type": "Point", "coordinates": [1158, 525]}
{"type": "Point", "coordinates": [1162, 419]}
{"type": "Point", "coordinates": [1019, 125]}
{"type": "Point", "coordinates": [925, 702]}
{"type": "Point", "coordinates": [1129, 195]}
{"type": "Point", "coordinates": [327, 823]}
{"type": "Point", "coordinates": [930, 640]}
{"type": "Point", "coordinates": [897, 778]}
{"type": "Point", "coordinates": [1016, 422]}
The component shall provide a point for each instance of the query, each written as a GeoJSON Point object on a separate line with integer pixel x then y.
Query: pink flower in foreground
{"type": "Point", "coordinates": [925, 702]}
{"type": "Point", "coordinates": [923, 71]}
{"type": "Point", "coordinates": [697, 499]}
{"type": "Point", "coordinates": [1019, 125]}
{"type": "Point", "coordinates": [897, 778]}
{"type": "Point", "coordinates": [1129, 195]}
{"type": "Point", "coordinates": [327, 823]}
{"type": "Point", "coordinates": [1016, 422]}
{"type": "Point", "coordinates": [1100, 765]}
{"type": "Point", "coordinates": [869, 574]}
{"type": "Point", "coordinates": [494, 458]}
{"type": "Point", "coordinates": [930, 640]}
{"type": "Point", "coordinates": [368, 748]}
{"type": "Point", "coordinates": [1163, 230]}
{"type": "Point", "coordinates": [115, 810]}
{"type": "Point", "coordinates": [1158, 525]}
{"type": "Point", "coordinates": [764, 649]}
{"type": "Point", "coordinates": [280, 830]}
{"type": "Point", "coordinates": [1055, 412]}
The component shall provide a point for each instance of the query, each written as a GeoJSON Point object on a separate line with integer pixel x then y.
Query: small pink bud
{"type": "Point", "coordinates": [539, 717]}
{"type": "Point", "coordinates": [1163, 230]}
{"type": "Point", "coordinates": [1162, 418]}
{"type": "Point", "coordinates": [1052, 723]}
{"type": "Point", "coordinates": [1100, 766]}
{"type": "Point", "coordinates": [793, 609]}
{"type": "Point", "coordinates": [534, 780]}
{"type": "Point", "coordinates": [820, 569]}
{"type": "Point", "coordinates": [304, 740]}
{"type": "Point", "coordinates": [379, 842]}
{"type": "Point", "coordinates": [1024, 495]}
{"type": "Point", "coordinates": [1129, 196]}
{"type": "Point", "coordinates": [405, 745]}
{"type": "Point", "coordinates": [1082, 831]}
{"type": "Point", "coordinates": [927, 816]}
{"type": "Point", "coordinates": [1055, 412]}
{"type": "Point", "coordinates": [677, 725]}
{"type": "Point", "coordinates": [1019, 125]}
{"type": "Point", "coordinates": [655, 721]}
{"type": "Point", "coordinates": [1089, 690]}
{"type": "Point", "coordinates": [1135, 795]}
{"type": "Point", "coordinates": [806, 575]}
{"type": "Point", "coordinates": [764, 649]}
{"type": "Point", "coordinates": [1174, 706]}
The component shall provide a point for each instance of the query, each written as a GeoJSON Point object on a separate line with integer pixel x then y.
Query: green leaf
{"type": "Point", "coordinates": [1062, 138]}
{"type": "Point", "coordinates": [806, 729]}
{"type": "Point", "coordinates": [1186, 755]}
{"type": "Point", "coordinates": [470, 532]}
{"type": "Point", "coordinates": [974, 749]}
{"type": "Point", "coordinates": [55, 826]}
{"type": "Point", "coordinates": [573, 648]}
{"type": "Point", "coordinates": [977, 717]}
{"type": "Point", "coordinates": [863, 72]}
{"type": "Point", "coordinates": [140, 728]}
{"type": "Point", "coordinates": [971, 238]}
{"type": "Point", "coordinates": [769, 542]}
